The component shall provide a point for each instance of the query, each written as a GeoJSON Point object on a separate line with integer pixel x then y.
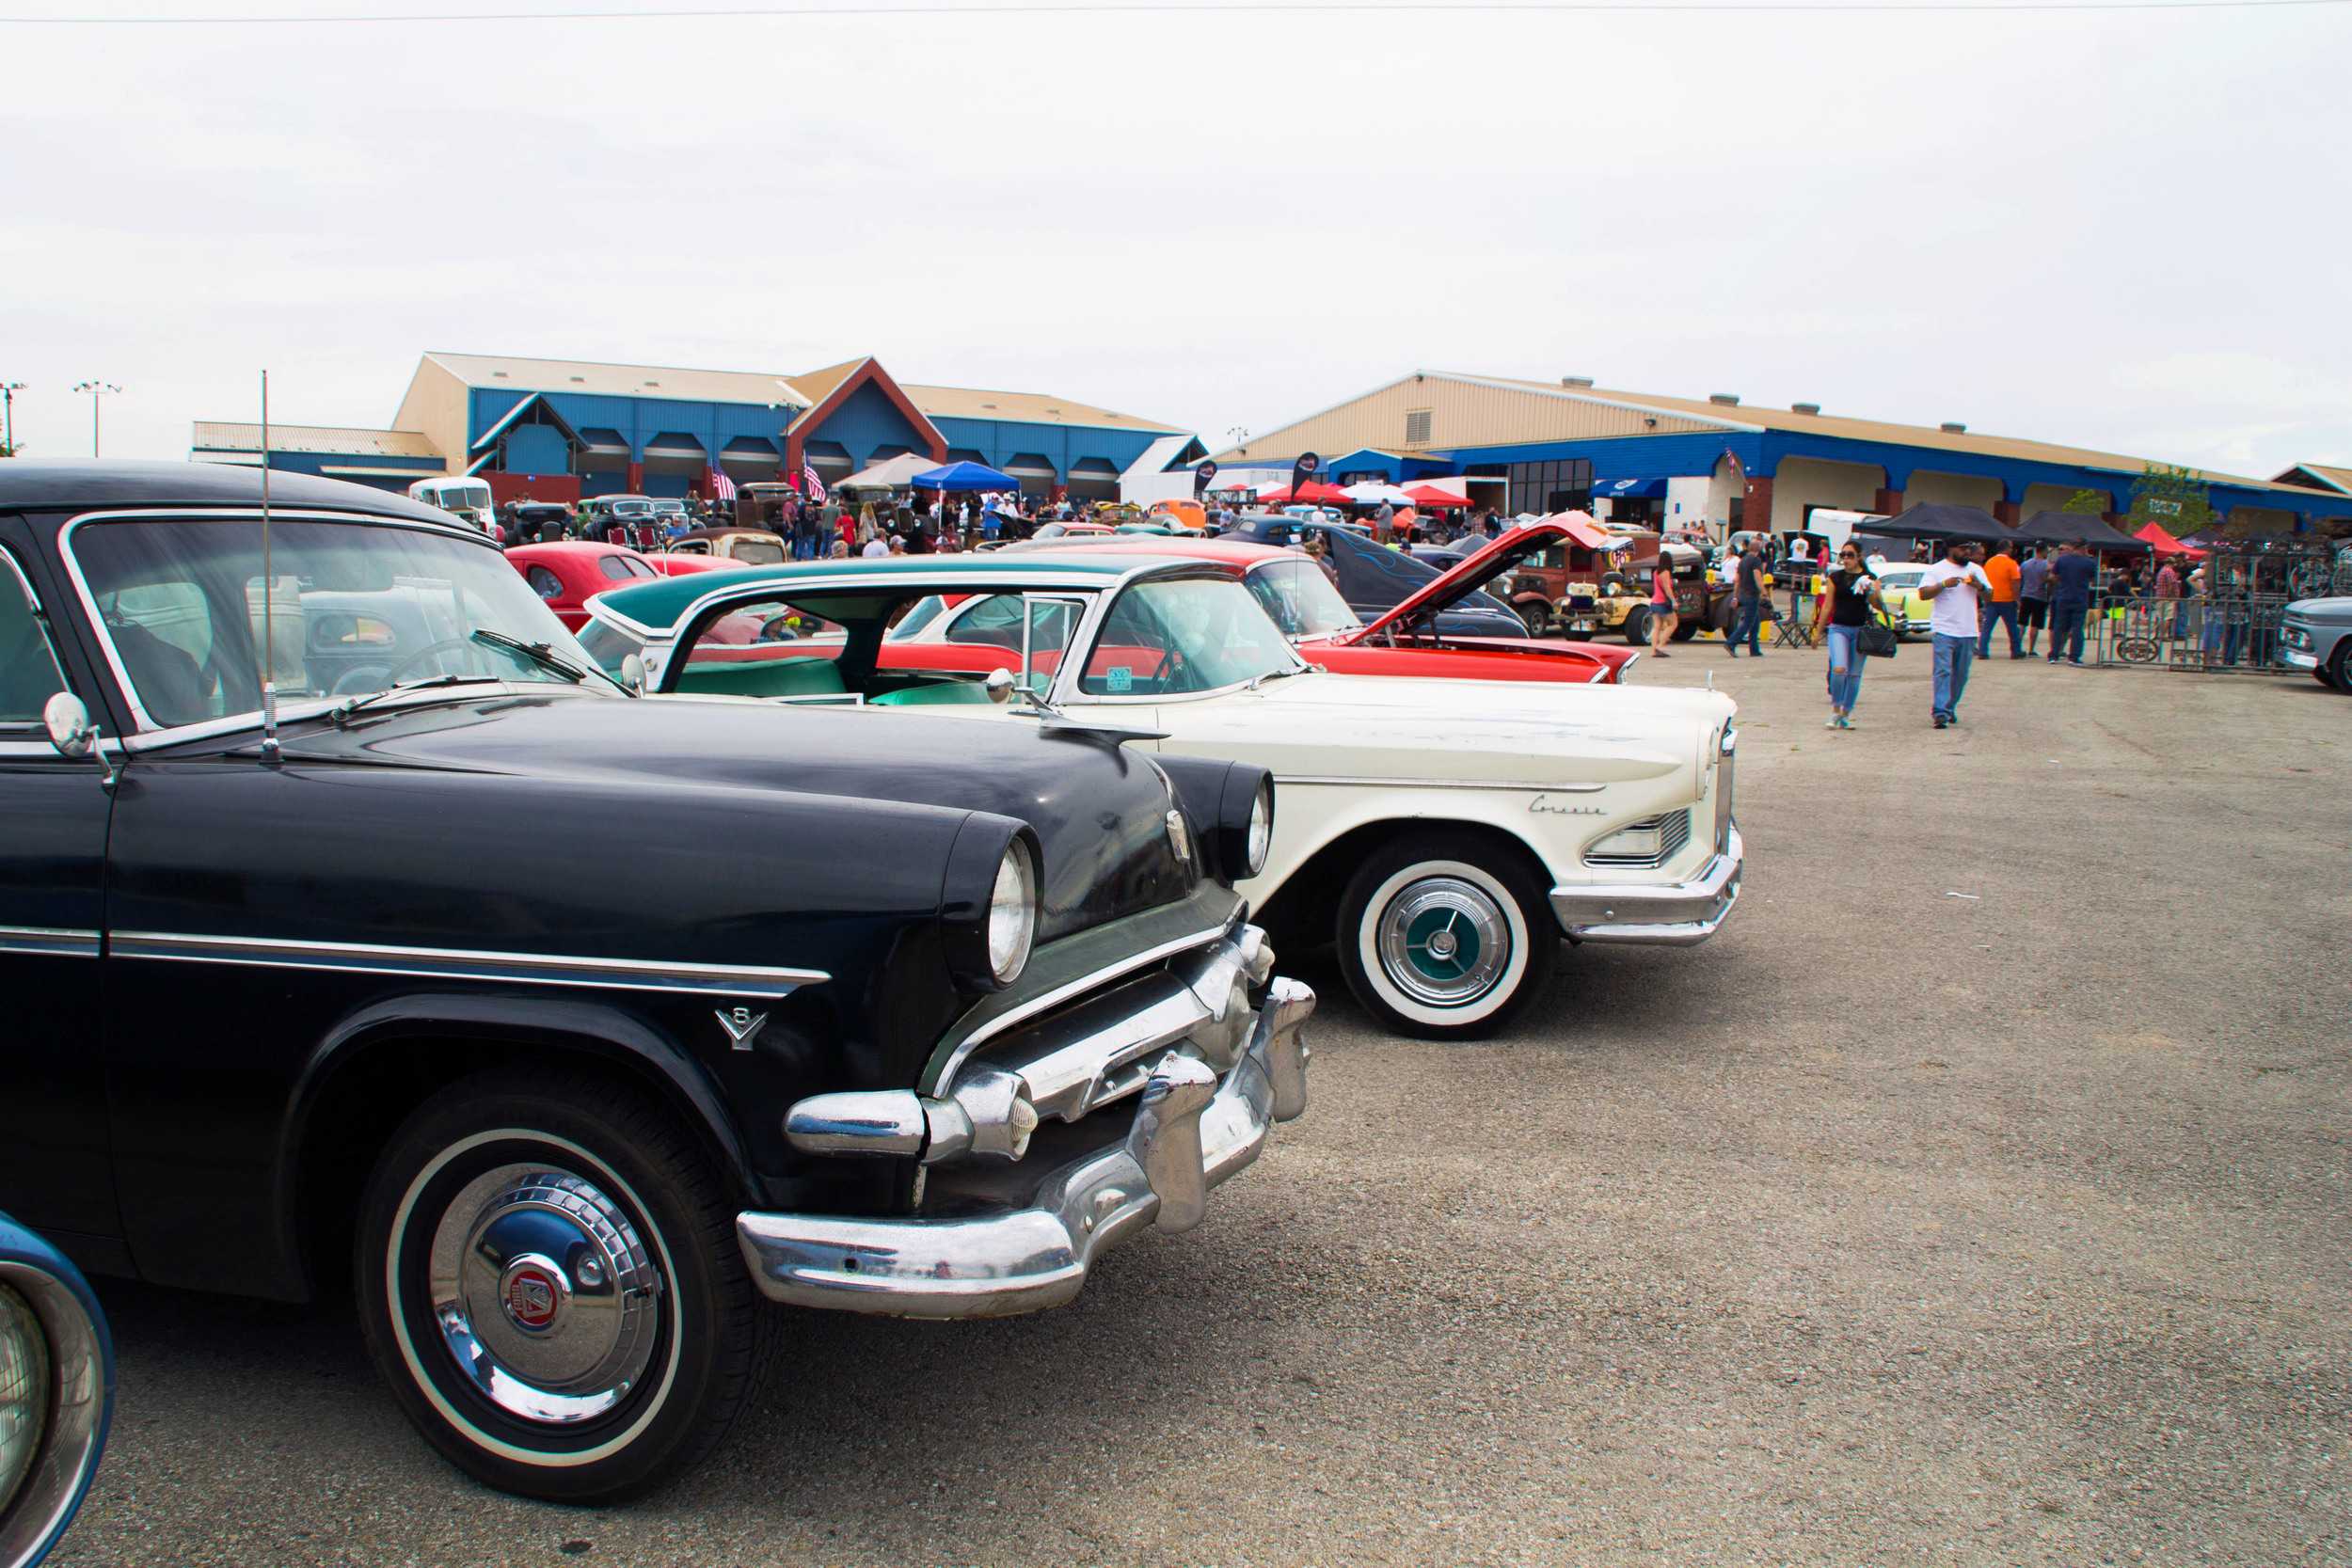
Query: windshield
{"type": "Point", "coordinates": [354, 609]}
{"type": "Point", "coordinates": [920, 615]}
{"type": "Point", "coordinates": [1301, 599]}
{"type": "Point", "coordinates": [1900, 578]}
{"type": "Point", "coordinates": [755, 552]}
{"type": "Point", "coordinates": [632, 509]}
{"type": "Point", "coordinates": [1176, 635]}
{"type": "Point", "coordinates": [669, 509]}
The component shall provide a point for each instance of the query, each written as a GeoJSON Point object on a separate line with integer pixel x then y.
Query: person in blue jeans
{"type": "Point", "coordinates": [2073, 577]}
{"type": "Point", "coordinates": [1852, 594]}
{"type": "Point", "coordinates": [1747, 618]}
{"type": "Point", "coordinates": [1955, 587]}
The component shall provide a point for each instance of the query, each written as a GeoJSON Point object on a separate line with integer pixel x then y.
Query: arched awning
{"type": "Point", "coordinates": [675, 452]}
{"type": "Point", "coordinates": [752, 457]}
{"type": "Point", "coordinates": [1093, 478]}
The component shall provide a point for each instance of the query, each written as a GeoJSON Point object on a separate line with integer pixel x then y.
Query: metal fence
{"type": "Point", "coordinates": [2233, 626]}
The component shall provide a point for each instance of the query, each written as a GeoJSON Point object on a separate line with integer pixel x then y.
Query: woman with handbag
{"type": "Point", "coordinates": [1853, 594]}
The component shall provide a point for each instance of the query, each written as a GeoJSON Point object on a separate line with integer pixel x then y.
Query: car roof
{"type": "Point", "coordinates": [88, 486]}
{"type": "Point", "coordinates": [664, 603]}
{"type": "Point", "coordinates": [1239, 552]}
{"type": "Point", "coordinates": [559, 548]}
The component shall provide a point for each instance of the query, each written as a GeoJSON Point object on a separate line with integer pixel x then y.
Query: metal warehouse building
{"type": "Point", "coordinates": [562, 429]}
{"type": "Point", "coordinates": [1717, 463]}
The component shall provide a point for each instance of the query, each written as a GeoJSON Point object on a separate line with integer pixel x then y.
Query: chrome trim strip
{"type": "Point", "coordinates": [1441, 784]}
{"type": "Point", "coordinates": [1062, 993]}
{"type": "Point", "coordinates": [443, 963]}
{"type": "Point", "coordinates": [48, 942]}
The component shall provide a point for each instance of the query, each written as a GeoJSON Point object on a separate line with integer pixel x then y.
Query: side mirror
{"type": "Point", "coordinates": [73, 734]}
{"type": "Point", "coordinates": [998, 686]}
{"type": "Point", "coordinates": [69, 729]}
{"type": "Point", "coordinates": [633, 672]}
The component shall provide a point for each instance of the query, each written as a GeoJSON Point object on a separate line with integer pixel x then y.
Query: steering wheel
{"type": "Point", "coordinates": [424, 653]}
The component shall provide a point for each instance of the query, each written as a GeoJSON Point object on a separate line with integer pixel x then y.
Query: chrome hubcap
{"type": "Point", "coordinates": [1444, 942]}
{"type": "Point", "coordinates": [545, 1298]}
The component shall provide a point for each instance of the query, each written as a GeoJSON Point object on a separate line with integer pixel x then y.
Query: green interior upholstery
{"type": "Point", "coordinates": [935, 694]}
{"type": "Point", "coordinates": [801, 676]}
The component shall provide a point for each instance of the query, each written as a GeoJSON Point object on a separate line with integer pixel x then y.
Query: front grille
{"type": "Point", "coordinates": [1673, 831]}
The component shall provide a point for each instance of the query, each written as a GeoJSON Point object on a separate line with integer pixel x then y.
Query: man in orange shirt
{"type": "Point", "coordinates": [2002, 572]}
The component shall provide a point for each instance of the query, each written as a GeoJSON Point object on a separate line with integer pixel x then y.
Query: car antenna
{"type": "Point", "coordinates": [272, 754]}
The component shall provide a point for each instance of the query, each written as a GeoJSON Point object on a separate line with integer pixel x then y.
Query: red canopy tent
{"type": "Point", "coordinates": [1313, 493]}
{"type": "Point", "coordinates": [2161, 541]}
{"type": "Point", "coordinates": [1429, 495]}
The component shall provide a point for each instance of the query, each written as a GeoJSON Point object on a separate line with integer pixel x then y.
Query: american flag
{"type": "Point", "coordinates": [722, 488]}
{"type": "Point", "coordinates": [815, 486]}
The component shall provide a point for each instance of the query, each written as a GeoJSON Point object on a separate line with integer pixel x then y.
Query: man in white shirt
{"type": "Point", "coordinates": [876, 545]}
{"type": "Point", "coordinates": [1956, 587]}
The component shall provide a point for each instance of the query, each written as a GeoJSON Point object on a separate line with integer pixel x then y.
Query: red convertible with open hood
{"type": "Point", "coordinates": [1404, 640]}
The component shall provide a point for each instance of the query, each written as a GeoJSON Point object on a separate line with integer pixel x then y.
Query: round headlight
{"type": "Point", "coordinates": [1260, 831]}
{"type": "Point", "coordinates": [1011, 915]}
{"type": "Point", "coordinates": [24, 1385]}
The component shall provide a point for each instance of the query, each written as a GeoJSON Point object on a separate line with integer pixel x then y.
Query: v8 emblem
{"type": "Point", "coordinates": [743, 1025]}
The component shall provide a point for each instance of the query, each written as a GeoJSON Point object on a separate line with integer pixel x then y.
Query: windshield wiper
{"type": "Point", "coordinates": [538, 653]}
{"type": "Point", "coordinates": [1257, 681]}
{"type": "Point", "coordinates": [343, 710]}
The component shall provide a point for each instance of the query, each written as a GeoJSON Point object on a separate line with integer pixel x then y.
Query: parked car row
{"type": "Point", "coordinates": [912, 1012]}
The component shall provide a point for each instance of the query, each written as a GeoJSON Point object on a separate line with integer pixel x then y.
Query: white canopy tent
{"type": "Point", "coordinates": [891, 473]}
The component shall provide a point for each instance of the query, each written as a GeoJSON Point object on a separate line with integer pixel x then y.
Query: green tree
{"type": "Point", "coordinates": [2089, 503]}
{"type": "Point", "coordinates": [2175, 498]}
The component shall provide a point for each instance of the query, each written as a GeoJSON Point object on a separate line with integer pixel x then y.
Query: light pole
{"type": "Point", "coordinates": [97, 391]}
{"type": "Point", "coordinates": [7, 417]}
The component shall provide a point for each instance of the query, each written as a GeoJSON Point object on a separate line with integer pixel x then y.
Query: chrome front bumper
{"type": "Point", "coordinates": [1670, 915]}
{"type": "Point", "coordinates": [2297, 658]}
{"type": "Point", "coordinates": [1209, 1075]}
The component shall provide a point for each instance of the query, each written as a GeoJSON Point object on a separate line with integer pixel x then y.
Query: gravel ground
{"type": "Point", "coordinates": [1893, 1226]}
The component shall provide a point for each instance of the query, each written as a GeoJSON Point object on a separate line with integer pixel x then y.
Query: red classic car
{"type": "Point", "coordinates": [1401, 642]}
{"type": "Point", "coordinates": [567, 573]}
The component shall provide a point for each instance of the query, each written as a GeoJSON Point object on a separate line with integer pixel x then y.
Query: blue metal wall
{"type": "Point", "coordinates": [999, 440]}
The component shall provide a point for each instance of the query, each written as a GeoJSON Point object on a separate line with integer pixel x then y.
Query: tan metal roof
{"type": "Point", "coordinates": [634, 381]}
{"type": "Point", "coordinates": [1756, 415]}
{"type": "Point", "coordinates": [974, 403]}
{"type": "Point", "coordinates": [337, 440]}
{"type": "Point", "coordinates": [807, 389]}
{"type": "Point", "coordinates": [2329, 476]}
{"type": "Point", "coordinates": [1469, 410]}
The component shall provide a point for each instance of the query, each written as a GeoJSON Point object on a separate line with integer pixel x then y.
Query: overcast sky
{"type": "Point", "coordinates": [2126, 231]}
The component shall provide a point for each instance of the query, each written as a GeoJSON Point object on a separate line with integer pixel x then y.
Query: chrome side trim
{"type": "Point", "coordinates": [1014, 1018]}
{"type": "Point", "coordinates": [48, 942]}
{"type": "Point", "coordinates": [444, 963]}
{"type": "Point", "coordinates": [1349, 779]}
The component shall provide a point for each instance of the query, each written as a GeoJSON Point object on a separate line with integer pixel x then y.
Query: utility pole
{"type": "Point", "coordinates": [97, 391]}
{"type": "Point", "coordinates": [7, 417]}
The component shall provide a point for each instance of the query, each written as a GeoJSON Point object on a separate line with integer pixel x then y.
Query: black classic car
{"type": "Point", "coordinates": [324, 952]}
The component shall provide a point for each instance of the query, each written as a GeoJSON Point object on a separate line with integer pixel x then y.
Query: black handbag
{"type": "Point", "coordinates": [1878, 640]}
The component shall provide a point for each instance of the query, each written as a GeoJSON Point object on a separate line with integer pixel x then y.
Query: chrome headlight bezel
{"type": "Point", "coordinates": [76, 1358]}
{"type": "Point", "coordinates": [1258, 839]}
{"type": "Point", "coordinates": [995, 894]}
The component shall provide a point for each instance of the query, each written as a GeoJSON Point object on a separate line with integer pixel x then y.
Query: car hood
{"type": "Point", "coordinates": [1099, 810]}
{"type": "Point", "coordinates": [1482, 565]}
{"type": "Point", "coordinates": [1510, 732]}
{"type": "Point", "coordinates": [2332, 611]}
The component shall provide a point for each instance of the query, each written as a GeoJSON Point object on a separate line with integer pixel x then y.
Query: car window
{"type": "Point", "coordinates": [755, 552]}
{"type": "Point", "coordinates": [768, 647]}
{"type": "Point", "coordinates": [29, 675]}
{"type": "Point", "coordinates": [638, 568]}
{"type": "Point", "coordinates": [352, 609]}
{"type": "Point", "coordinates": [545, 583]}
{"type": "Point", "coordinates": [918, 615]}
{"type": "Point", "coordinates": [614, 566]}
{"type": "Point", "coordinates": [1301, 599]}
{"type": "Point", "coordinates": [996, 621]}
{"type": "Point", "coordinates": [1174, 637]}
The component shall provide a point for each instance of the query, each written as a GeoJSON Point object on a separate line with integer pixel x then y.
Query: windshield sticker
{"type": "Point", "coordinates": [1119, 678]}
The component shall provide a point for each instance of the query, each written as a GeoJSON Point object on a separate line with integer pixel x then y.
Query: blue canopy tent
{"type": "Point", "coordinates": [963, 477]}
{"type": "Point", "coordinates": [1649, 489]}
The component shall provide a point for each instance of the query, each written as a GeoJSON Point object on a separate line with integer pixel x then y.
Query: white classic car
{"type": "Point", "coordinates": [1444, 834]}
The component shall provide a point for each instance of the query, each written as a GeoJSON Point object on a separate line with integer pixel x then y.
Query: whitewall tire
{"type": "Point", "coordinates": [1445, 935]}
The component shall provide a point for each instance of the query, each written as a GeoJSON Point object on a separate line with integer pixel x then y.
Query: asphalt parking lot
{"type": "Point", "coordinates": [1977, 1196]}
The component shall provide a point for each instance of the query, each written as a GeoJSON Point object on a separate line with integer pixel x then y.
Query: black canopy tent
{"type": "Point", "coordinates": [2078, 528]}
{"type": "Point", "coordinates": [1942, 520]}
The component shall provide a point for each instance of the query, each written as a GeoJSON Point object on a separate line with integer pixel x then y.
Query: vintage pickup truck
{"type": "Point", "coordinates": [890, 1016]}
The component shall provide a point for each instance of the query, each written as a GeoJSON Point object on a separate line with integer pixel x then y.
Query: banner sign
{"type": "Point", "coordinates": [1304, 469]}
{"type": "Point", "coordinates": [1200, 477]}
